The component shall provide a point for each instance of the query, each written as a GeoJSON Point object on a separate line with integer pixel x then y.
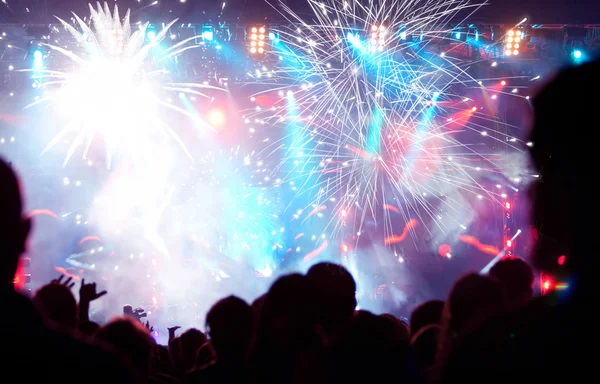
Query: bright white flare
{"type": "Point", "coordinates": [110, 93]}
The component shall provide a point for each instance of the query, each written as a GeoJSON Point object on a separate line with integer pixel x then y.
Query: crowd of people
{"type": "Point", "coordinates": [306, 328]}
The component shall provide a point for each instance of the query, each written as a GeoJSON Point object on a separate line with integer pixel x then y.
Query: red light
{"type": "Point", "coordinates": [474, 109]}
{"type": "Point", "coordinates": [562, 259]}
{"type": "Point", "coordinates": [547, 284]}
{"type": "Point", "coordinates": [507, 205]}
{"type": "Point", "coordinates": [509, 243]}
{"type": "Point", "coordinates": [345, 248]}
{"type": "Point", "coordinates": [503, 83]}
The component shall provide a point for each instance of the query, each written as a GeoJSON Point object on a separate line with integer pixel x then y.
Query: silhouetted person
{"type": "Point", "coordinates": [131, 339]}
{"type": "Point", "coordinates": [286, 338]}
{"type": "Point", "coordinates": [473, 299]}
{"type": "Point", "coordinates": [397, 329]}
{"type": "Point", "coordinates": [521, 345]}
{"type": "Point", "coordinates": [57, 303]}
{"type": "Point", "coordinates": [186, 349]}
{"type": "Point", "coordinates": [335, 294]}
{"type": "Point", "coordinates": [516, 276]}
{"type": "Point", "coordinates": [230, 323]}
{"type": "Point", "coordinates": [363, 350]}
{"type": "Point", "coordinates": [430, 312]}
{"type": "Point", "coordinates": [424, 344]}
{"type": "Point", "coordinates": [37, 352]}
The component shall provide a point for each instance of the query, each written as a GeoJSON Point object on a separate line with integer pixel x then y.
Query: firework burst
{"type": "Point", "coordinates": [375, 115]}
{"type": "Point", "coordinates": [110, 93]}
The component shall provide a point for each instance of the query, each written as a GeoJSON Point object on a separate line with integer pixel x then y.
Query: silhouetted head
{"type": "Point", "coordinates": [424, 344]}
{"type": "Point", "coordinates": [287, 319]}
{"type": "Point", "coordinates": [57, 304]}
{"type": "Point", "coordinates": [430, 312]}
{"type": "Point", "coordinates": [131, 339]}
{"type": "Point", "coordinates": [127, 310]}
{"type": "Point", "coordinates": [472, 300]}
{"type": "Point", "coordinates": [560, 153]}
{"type": "Point", "coordinates": [335, 293]}
{"type": "Point", "coordinates": [363, 349]}
{"type": "Point", "coordinates": [14, 228]}
{"type": "Point", "coordinates": [516, 276]}
{"type": "Point", "coordinates": [189, 343]}
{"type": "Point", "coordinates": [397, 329]}
{"type": "Point", "coordinates": [230, 323]}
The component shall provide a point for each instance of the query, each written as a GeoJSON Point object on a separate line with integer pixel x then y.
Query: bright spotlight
{"type": "Point", "coordinates": [377, 38]}
{"type": "Point", "coordinates": [577, 54]}
{"type": "Point", "coordinates": [216, 118]}
{"type": "Point", "coordinates": [257, 38]}
{"type": "Point", "coordinates": [511, 42]}
{"type": "Point", "coordinates": [37, 55]}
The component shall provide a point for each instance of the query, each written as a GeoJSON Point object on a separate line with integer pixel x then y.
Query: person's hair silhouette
{"type": "Point", "coordinates": [14, 228]}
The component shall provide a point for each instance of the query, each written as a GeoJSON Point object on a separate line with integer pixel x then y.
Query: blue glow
{"type": "Point", "coordinates": [354, 40]}
{"type": "Point", "coordinates": [38, 60]}
{"type": "Point", "coordinates": [271, 36]}
{"type": "Point", "coordinates": [151, 35]}
{"type": "Point", "coordinates": [577, 54]}
{"type": "Point", "coordinates": [402, 35]}
{"type": "Point", "coordinates": [208, 35]}
{"type": "Point", "coordinates": [457, 35]}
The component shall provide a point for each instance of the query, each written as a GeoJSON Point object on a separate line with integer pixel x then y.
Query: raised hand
{"type": "Point", "coordinates": [149, 327]}
{"type": "Point", "coordinates": [69, 283]}
{"type": "Point", "coordinates": [172, 332]}
{"type": "Point", "coordinates": [88, 293]}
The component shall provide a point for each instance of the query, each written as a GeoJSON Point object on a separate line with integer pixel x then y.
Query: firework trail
{"type": "Point", "coordinates": [376, 115]}
{"type": "Point", "coordinates": [109, 93]}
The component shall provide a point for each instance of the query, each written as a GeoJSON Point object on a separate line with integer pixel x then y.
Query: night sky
{"type": "Point", "coordinates": [247, 11]}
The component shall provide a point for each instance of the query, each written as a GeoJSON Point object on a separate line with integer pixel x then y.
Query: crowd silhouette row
{"type": "Point", "coordinates": [306, 328]}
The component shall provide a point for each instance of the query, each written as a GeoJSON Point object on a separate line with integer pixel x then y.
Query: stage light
{"type": "Point", "coordinates": [577, 54]}
{"type": "Point", "coordinates": [38, 60]}
{"type": "Point", "coordinates": [562, 259]}
{"type": "Point", "coordinates": [503, 83]}
{"type": "Point", "coordinates": [508, 243]}
{"type": "Point", "coordinates": [257, 38]}
{"type": "Point", "coordinates": [151, 35]}
{"type": "Point", "coordinates": [507, 205]}
{"type": "Point", "coordinates": [511, 40]}
{"type": "Point", "coordinates": [377, 38]}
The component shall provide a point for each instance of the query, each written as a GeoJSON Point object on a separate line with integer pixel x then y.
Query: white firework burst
{"type": "Point", "coordinates": [110, 93]}
{"type": "Point", "coordinates": [377, 114]}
